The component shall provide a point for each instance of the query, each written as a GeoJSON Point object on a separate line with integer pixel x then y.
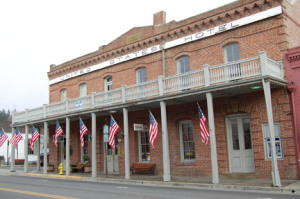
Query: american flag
{"type": "Point", "coordinates": [153, 129]}
{"type": "Point", "coordinates": [58, 132]}
{"type": "Point", "coordinates": [204, 130]}
{"type": "Point", "coordinates": [83, 130]}
{"type": "Point", "coordinates": [34, 137]}
{"type": "Point", "coordinates": [113, 128]}
{"type": "Point", "coordinates": [16, 138]}
{"type": "Point", "coordinates": [3, 137]}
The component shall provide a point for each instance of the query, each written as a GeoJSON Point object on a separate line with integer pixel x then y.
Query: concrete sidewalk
{"type": "Point", "coordinates": [226, 183]}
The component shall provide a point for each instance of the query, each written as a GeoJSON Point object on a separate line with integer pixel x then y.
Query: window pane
{"type": "Point", "coordinates": [141, 75]}
{"type": "Point", "coordinates": [232, 52]}
{"type": "Point", "coordinates": [183, 65]}
{"type": "Point", "coordinates": [108, 84]}
{"type": "Point", "coordinates": [187, 141]}
{"type": "Point", "coordinates": [235, 135]}
{"type": "Point", "coordinates": [145, 146]}
{"type": "Point", "coordinates": [247, 134]}
{"type": "Point", "coordinates": [63, 95]}
{"type": "Point", "coordinates": [83, 91]}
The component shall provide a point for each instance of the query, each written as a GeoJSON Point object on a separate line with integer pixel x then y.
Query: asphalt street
{"type": "Point", "coordinates": [15, 187]}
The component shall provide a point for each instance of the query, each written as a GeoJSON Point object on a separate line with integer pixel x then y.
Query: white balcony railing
{"type": "Point", "coordinates": [210, 75]}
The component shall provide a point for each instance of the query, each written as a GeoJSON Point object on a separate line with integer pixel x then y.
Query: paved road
{"type": "Point", "coordinates": [15, 187]}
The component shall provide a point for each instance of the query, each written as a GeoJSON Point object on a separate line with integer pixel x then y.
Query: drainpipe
{"type": "Point", "coordinates": [292, 88]}
{"type": "Point", "coordinates": [163, 60]}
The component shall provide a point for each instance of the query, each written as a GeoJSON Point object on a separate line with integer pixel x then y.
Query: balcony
{"type": "Point", "coordinates": [234, 73]}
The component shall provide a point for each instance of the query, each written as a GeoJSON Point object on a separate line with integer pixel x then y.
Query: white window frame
{"type": "Point", "coordinates": [278, 141]}
{"type": "Point", "coordinates": [108, 85]}
{"type": "Point", "coordinates": [63, 95]}
{"type": "Point", "coordinates": [35, 147]}
{"type": "Point", "coordinates": [140, 146]}
{"type": "Point", "coordinates": [179, 65]}
{"type": "Point", "coordinates": [181, 142]}
{"type": "Point", "coordinates": [230, 45]}
{"type": "Point", "coordinates": [141, 71]}
{"type": "Point", "coordinates": [82, 90]}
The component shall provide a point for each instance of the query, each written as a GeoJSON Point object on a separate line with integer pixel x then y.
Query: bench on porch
{"type": "Point", "coordinates": [142, 168]}
{"type": "Point", "coordinates": [19, 161]}
{"type": "Point", "coordinates": [79, 167]}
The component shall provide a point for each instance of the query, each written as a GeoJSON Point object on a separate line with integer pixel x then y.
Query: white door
{"type": "Point", "coordinates": [240, 145]}
{"type": "Point", "coordinates": [113, 158]}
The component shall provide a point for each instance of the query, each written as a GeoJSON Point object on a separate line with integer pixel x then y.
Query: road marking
{"type": "Point", "coordinates": [264, 198]}
{"type": "Point", "coordinates": [36, 193]}
{"type": "Point", "coordinates": [122, 187]}
{"type": "Point", "coordinates": [42, 180]}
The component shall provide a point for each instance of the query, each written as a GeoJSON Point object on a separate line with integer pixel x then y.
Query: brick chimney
{"type": "Point", "coordinates": [159, 18]}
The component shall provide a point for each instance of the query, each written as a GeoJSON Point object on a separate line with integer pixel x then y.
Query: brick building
{"type": "Point", "coordinates": [292, 66]}
{"type": "Point", "coordinates": [229, 60]}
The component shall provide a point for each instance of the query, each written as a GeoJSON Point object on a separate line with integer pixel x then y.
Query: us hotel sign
{"type": "Point", "coordinates": [190, 38]}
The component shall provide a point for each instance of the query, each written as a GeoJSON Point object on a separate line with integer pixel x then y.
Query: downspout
{"type": "Point", "coordinates": [292, 87]}
{"type": "Point", "coordinates": [163, 60]}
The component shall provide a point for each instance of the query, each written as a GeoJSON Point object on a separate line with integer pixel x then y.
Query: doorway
{"type": "Point", "coordinates": [113, 158]}
{"type": "Point", "coordinates": [241, 158]}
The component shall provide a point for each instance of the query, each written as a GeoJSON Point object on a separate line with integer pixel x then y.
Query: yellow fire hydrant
{"type": "Point", "coordinates": [61, 169]}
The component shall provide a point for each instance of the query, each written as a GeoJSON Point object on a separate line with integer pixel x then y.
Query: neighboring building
{"type": "Point", "coordinates": [5, 150]}
{"type": "Point", "coordinates": [229, 60]}
{"type": "Point", "coordinates": [292, 69]}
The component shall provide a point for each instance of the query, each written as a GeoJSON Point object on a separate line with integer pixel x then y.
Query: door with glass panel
{"type": "Point", "coordinates": [113, 157]}
{"type": "Point", "coordinates": [144, 146]}
{"type": "Point", "coordinates": [240, 145]}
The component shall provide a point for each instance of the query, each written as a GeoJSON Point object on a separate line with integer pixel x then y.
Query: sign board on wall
{"type": "Point", "coordinates": [138, 127]}
{"type": "Point", "coordinates": [190, 38]}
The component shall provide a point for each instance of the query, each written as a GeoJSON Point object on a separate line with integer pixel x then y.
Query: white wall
{"type": "Point", "coordinates": [19, 154]}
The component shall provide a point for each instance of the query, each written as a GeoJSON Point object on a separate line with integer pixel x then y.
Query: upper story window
{"type": "Point", "coordinates": [63, 95]}
{"type": "Point", "coordinates": [232, 52]}
{"type": "Point", "coordinates": [141, 75]}
{"type": "Point", "coordinates": [183, 64]}
{"type": "Point", "coordinates": [83, 91]}
{"type": "Point", "coordinates": [108, 83]}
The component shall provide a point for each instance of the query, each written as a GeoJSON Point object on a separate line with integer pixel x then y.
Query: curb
{"type": "Point", "coordinates": [54, 176]}
{"type": "Point", "coordinates": [203, 186]}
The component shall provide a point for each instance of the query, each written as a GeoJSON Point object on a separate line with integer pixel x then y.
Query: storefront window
{"type": "Point", "coordinates": [187, 141]}
{"type": "Point", "coordinates": [144, 146]}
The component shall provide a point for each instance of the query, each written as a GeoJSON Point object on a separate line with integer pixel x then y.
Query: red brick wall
{"type": "Point", "coordinates": [270, 35]}
{"type": "Point", "coordinates": [252, 104]}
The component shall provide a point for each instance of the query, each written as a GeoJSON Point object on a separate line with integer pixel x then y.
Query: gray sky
{"type": "Point", "coordinates": [37, 33]}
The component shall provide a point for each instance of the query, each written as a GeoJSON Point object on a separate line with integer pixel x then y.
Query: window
{"type": "Point", "coordinates": [63, 95]}
{"type": "Point", "coordinates": [35, 147]}
{"type": "Point", "coordinates": [108, 83]}
{"type": "Point", "coordinates": [183, 66]}
{"type": "Point", "coordinates": [231, 54]}
{"type": "Point", "coordinates": [141, 75]}
{"type": "Point", "coordinates": [144, 146]}
{"type": "Point", "coordinates": [187, 141]}
{"type": "Point", "coordinates": [267, 141]}
{"type": "Point", "coordinates": [83, 91]}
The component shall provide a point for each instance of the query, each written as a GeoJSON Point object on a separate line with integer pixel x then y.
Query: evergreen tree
{"type": "Point", "coordinates": [8, 115]}
{"type": "Point", "coordinates": [3, 115]}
